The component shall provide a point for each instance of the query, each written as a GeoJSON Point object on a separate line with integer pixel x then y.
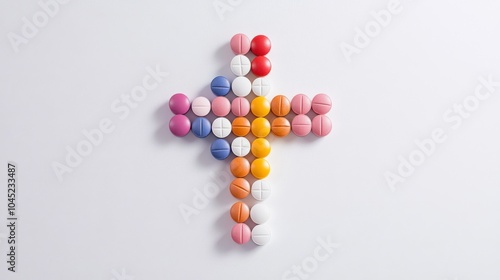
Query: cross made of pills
{"type": "Point", "coordinates": [249, 146]}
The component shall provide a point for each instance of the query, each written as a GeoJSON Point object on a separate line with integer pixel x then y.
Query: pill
{"type": "Point", "coordinates": [260, 168]}
{"type": "Point", "coordinates": [260, 45]}
{"type": "Point", "coordinates": [321, 125]}
{"type": "Point", "coordinates": [201, 127]}
{"type": "Point", "coordinates": [301, 104]}
{"type": "Point", "coordinates": [260, 127]}
{"type": "Point", "coordinates": [240, 167]}
{"type": "Point", "coordinates": [280, 105]}
{"type": "Point", "coordinates": [280, 127]}
{"type": "Point", "coordinates": [179, 125]}
{"type": "Point", "coordinates": [261, 235]}
{"type": "Point", "coordinates": [260, 213]}
{"type": "Point", "coordinates": [239, 212]}
{"type": "Point", "coordinates": [261, 86]}
{"type": "Point", "coordinates": [261, 190]}
{"type": "Point", "coordinates": [261, 66]}
{"type": "Point", "coordinates": [240, 233]}
{"type": "Point", "coordinates": [221, 106]}
{"type": "Point", "coordinates": [220, 86]}
{"type": "Point", "coordinates": [179, 103]}
{"type": "Point", "coordinates": [240, 106]}
{"type": "Point", "coordinates": [321, 104]}
{"type": "Point", "coordinates": [301, 125]}
{"type": "Point", "coordinates": [260, 106]}
{"type": "Point", "coordinates": [240, 146]}
{"type": "Point", "coordinates": [241, 126]}
{"type": "Point", "coordinates": [240, 65]}
{"type": "Point", "coordinates": [239, 188]}
{"type": "Point", "coordinates": [221, 127]}
{"type": "Point", "coordinates": [220, 149]}
{"type": "Point", "coordinates": [240, 44]}
{"type": "Point", "coordinates": [201, 106]}
{"type": "Point", "coordinates": [260, 147]}
{"type": "Point", "coordinates": [241, 86]}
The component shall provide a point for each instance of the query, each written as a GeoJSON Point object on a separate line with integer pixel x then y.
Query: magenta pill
{"type": "Point", "coordinates": [241, 233]}
{"type": "Point", "coordinates": [321, 104]}
{"type": "Point", "coordinates": [240, 107]}
{"type": "Point", "coordinates": [240, 44]}
{"type": "Point", "coordinates": [301, 125]}
{"type": "Point", "coordinates": [179, 104]}
{"type": "Point", "coordinates": [321, 125]}
{"type": "Point", "coordinates": [301, 104]}
{"type": "Point", "coordinates": [221, 106]}
{"type": "Point", "coordinates": [180, 125]}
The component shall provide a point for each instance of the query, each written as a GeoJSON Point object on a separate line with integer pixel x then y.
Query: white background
{"type": "Point", "coordinates": [118, 214]}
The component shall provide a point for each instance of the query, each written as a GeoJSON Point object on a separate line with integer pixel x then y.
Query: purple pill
{"type": "Point", "coordinates": [180, 125]}
{"type": "Point", "coordinates": [179, 104]}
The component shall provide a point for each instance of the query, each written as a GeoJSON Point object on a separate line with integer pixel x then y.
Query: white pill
{"type": "Point", "coordinates": [241, 86]}
{"type": "Point", "coordinates": [221, 127]}
{"type": "Point", "coordinates": [261, 189]}
{"type": "Point", "coordinates": [240, 146]}
{"type": "Point", "coordinates": [260, 213]}
{"type": "Point", "coordinates": [261, 86]}
{"type": "Point", "coordinates": [240, 65]}
{"type": "Point", "coordinates": [261, 234]}
{"type": "Point", "coordinates": [201, 106]}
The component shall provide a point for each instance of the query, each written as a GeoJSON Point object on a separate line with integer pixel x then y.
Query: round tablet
{"type": "Point", "coordinates": [260, 106]}
{"type": "Point", "coordinates": [220, 149]}
{"type": "Point", "coordinates": [241, 86]}
{"type": "Point", "coordinates": [260, 147]}
{"type": "Point", "coordinates": [240, 167]}
{"type": "Point", "coordinates": [301, 125]}
{"type": "Point", "coordinates": [260, 127]}
{"type": "Point", "coordinates": [220, 86]}
{"type": "Point", "coordinates": [239, 188]}
{"type": "Point", "coordinates": [260, 45]}
{"type": "Point", "coordinates": [261, 235]}
{"type": "Point", "coordinates": [201, 127]}
{"type": "Point", "coordinates": [261, 190]}
{"type": "Point", "coordinates": [261, 86]}
{"type": "Point", "coordinates": [321, 104]}
{"type": "Point", "coordinates": [221, 127]}
{"type": "Point", "coordinates": [240, 146]}
{"type": "Point", "coordinates": [179, 125]}
{"type": "Point", "coordinates": [241, 126]}
{"type": "Point", "coordinates": [260, 168]}
{"type": "Point", "coordinates": [280, 127]}
{"type": "Point", "coordinates": [240, 233]}
{"type": "Point", "coordinates": [240, 65]}
{"type": "Point", "coordinates": [261, 66]}
{"type": "Point", "coordinates": [321, 125]}
{"type": "Point", "coordinates": [240, 106]}
{"type": "Point", "coordinates": [240, 44]}
{"type": "Point", "coordinates": [260, 213]}
{"type": "Point", "coordinates": [179, 104]}
{"type": "Point", "coordinates": [239, 212]}
{"type": "Point", "coordinates": [280, 105]}
{"type": "Point", "coordinates": [221, 106]}
{"type": "Point", "coordinates": [301, 104]}
{"type": "Point", "coordinates": [201, 106]}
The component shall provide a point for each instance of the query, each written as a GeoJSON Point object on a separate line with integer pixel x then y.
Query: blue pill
{"type": "Point", "coordinates": [220, 86]}
{"type": "Point", "coordinates": [220, 149]}
{"type": "Point", "coordinates": [201, 127]}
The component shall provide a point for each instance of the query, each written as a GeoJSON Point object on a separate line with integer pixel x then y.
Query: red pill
{"type": "Point", "coordinates": [261, 45]}
{"type": "Point", "coordinates": [261, 66]}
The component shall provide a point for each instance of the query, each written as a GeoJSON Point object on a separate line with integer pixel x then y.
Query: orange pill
{"type": "Point", "coordinates": [280, 105]}
{"type": "Point", "coordinates": [240, 167]}
{"type": "Point", "coordinates": [260, 168]}
{"type": "Point", "coordinates": [260, 147]}
{"type": "Point", "coordinates": [260, 106]}
{"type": "Point", "coordinates": [239, 212]}
{"type": "Point", "coordinates": [239, 188]}
{"type": "Point", "coordinates": [280, 127]}
{"type": "Point", "coordinates": [241, 126]}
{"type": "Point", "coordinates": [260, 127]}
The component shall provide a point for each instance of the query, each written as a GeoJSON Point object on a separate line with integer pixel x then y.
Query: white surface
{"type": "Point", "coordinates": [119, 208]}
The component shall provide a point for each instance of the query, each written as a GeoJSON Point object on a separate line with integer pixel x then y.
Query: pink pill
{"type": "Point", "coordinates": [201, 106]}
{"type": "Point", "coordinates": [301, 104]}
{"type": "Point", "coordinates": [321, 104]}
{"type": "Point", "coordinates": [240, 44]}
{"type": "Point", "coordinates": [321, 125]}
{"type": "Point", "coordinates": [240, 107]}
{"type": "Point", "coordinates": [221, 106]}
{"type": "Point", "coordinates": [240, 233]}
{"type": "Point", "coordinates": [301, 125]}
{"type": "Point", "coordinates": [179, 125]}
{"type": "Point", "coordinates": [179, 104]}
